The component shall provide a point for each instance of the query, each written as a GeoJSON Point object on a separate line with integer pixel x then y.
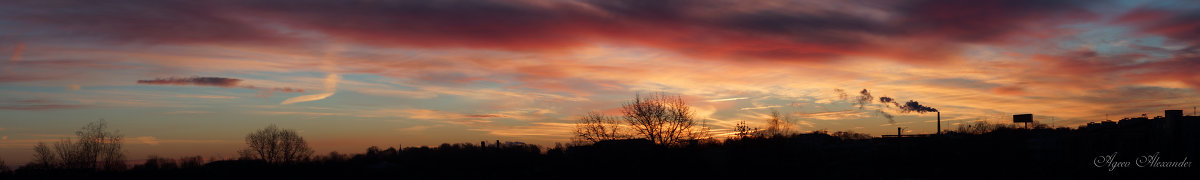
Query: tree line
{"type": "Point", "coordinates": [96, 148]}
{"type": "Point", "coordinates": [667, 120]}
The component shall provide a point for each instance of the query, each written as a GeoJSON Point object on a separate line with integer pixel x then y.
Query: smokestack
{"type": "Point", "coordinates": [939, 132]}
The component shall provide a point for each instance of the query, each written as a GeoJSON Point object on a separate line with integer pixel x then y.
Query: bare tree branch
{"type": "Point", "coordinates": [662, 119]}
{"type": "Point", "coordinates": [276, 146]}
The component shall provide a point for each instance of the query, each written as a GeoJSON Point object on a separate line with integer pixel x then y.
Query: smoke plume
{"type": "Point", "coordinates": [888, 101]}
{"type": "Point", "coordinates": [914, 106]}
{"type": "Point", "coordinates": [841, 94]}
{"type": "Point", "coordinates": [891, 119]}
{"type": "Point", "coordinates": [864, 99]}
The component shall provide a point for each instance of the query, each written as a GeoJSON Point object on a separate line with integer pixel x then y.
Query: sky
{"type": "Point", "coordinates": [180, 78]}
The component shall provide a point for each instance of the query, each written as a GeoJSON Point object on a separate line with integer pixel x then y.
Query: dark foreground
{"type": "Point", "coordinates": [998, 154]}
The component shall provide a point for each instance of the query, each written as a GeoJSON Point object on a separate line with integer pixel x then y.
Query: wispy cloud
{"type": "Point", "coordinates": [418, 128]}
{"type": "Point", "coordinates": [195, 81]}
{"type": "Point", "coordinates": [809, 124]}
{"type": "Point", "coordinates": [728, 99]}
{"type": "Point", "coordinates": [151, 140]}
{"type": "Point", "coordinates": [560, 130]}
{"type": "Point", "coordinates": [188, 112]}
{"type": "Point", "coordinates": [218, 82]}
{"type": "Point", "coordinates": [296, 113]}
{"type": "Point", "coordinates": [36, 107]}
{"type": "Point", "coordinates": [37, 104]}
{"type": "Point", "coordinates": [832, 115]}
{"type": "Point", "coordinates": [485, 115]}
{"type": "Point", "coordinates": [330, 88]}
{"type": "Point", "coordinates": [760, 107]}
{"type": "Point", "coordinates": [154, 141]}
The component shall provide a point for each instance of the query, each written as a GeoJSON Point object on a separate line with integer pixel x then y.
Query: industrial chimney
{"type": "Point", "coordinates": [939, 131]}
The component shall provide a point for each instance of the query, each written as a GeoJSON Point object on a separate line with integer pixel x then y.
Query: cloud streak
{"type": "Point", "coordinates": [330, 88]}
{"type": "Point", "coordinates": [219, 82]}
{"type": "Point", "coordinates": [194, 81]}
{"type": "Point", "coordinates": [38, 104]}
{"type": "Point", "coordinates": [728, 99]}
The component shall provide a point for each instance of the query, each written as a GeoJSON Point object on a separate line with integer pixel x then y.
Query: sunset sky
{"type": "Point", "coordinates": [194, 77]}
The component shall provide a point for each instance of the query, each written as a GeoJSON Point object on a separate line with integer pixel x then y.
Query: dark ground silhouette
{"type": "Point", "coordinates": [994, 152]}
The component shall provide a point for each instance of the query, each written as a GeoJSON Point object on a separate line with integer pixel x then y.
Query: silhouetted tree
{"type": "Point", "coordinates": [191, 162]}
{"type": "Point", "coordinates": [276, 145]}
{"type": "Point", "coordinates": [68, 157]}
{"type": "Point", "coordinates": [662, 119]}
{"type": "Point", "coordinates": [43, 157]}
{"type": "Point", "coordinates": [820, 131]}
{"type": "Point", "coordinates": [596, 127]}
{"type": "Point", "coordinates": [777, 124]}
{"type": "Point", "coordinates": [742, 130]}
{"type": "Point", "coordinates": [4, 167]}
{"type": "Point", "coordinates": [154, 162]}
{"type": "Point", "coordinates": [96, 148]}
{"type": "Point", "coordinates": [334, 156]}
{"type": "Point", "coordinates": [850, 135]}
{"type": "Point", "coordinates": [982, 127]}
{"type": "Point", "coordinates": [373, 151]}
